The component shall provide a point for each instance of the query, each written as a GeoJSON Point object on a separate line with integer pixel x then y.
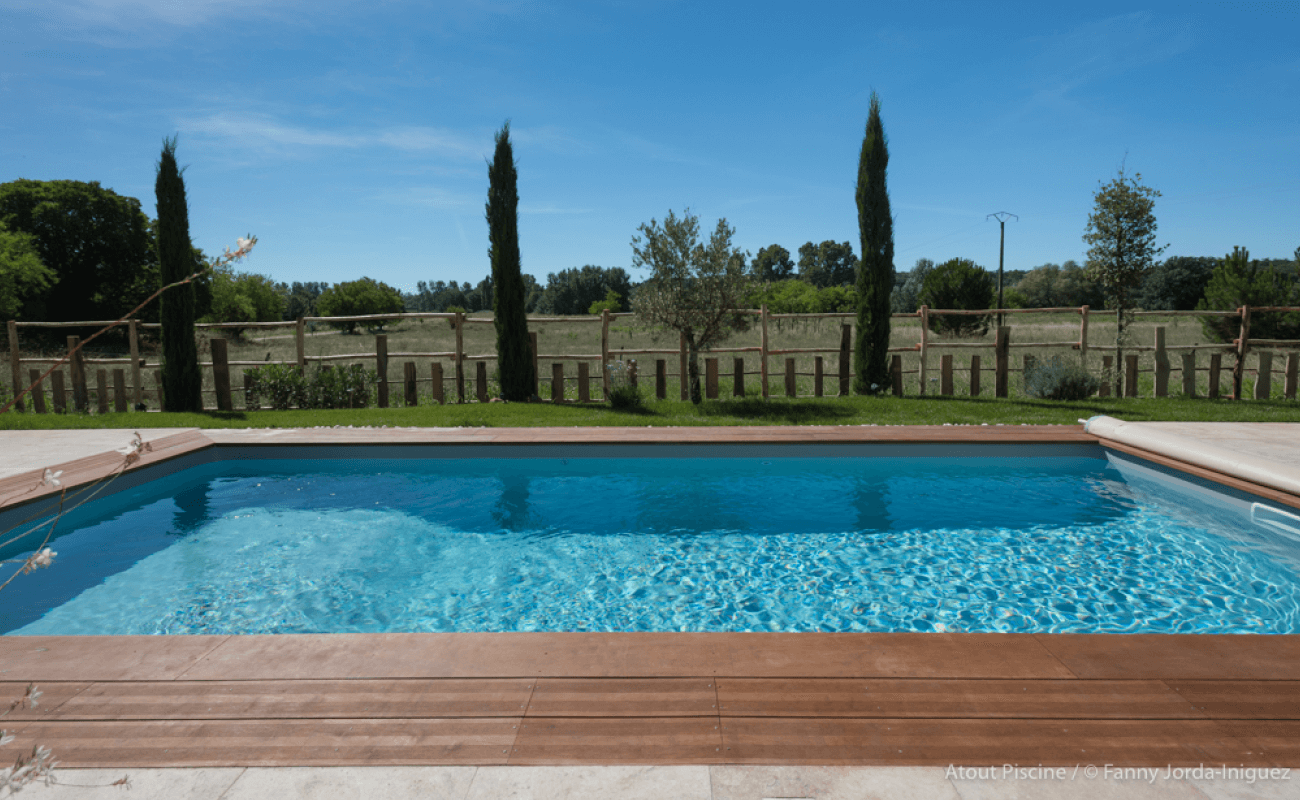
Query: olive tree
{"type": "Point", "coordinates": [1121, 233]}
{"type": "Point", "coordinates": [696, 289]}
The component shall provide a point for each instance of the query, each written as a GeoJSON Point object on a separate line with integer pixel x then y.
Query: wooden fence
{"type": "Point", "coordinates": [122, 393]}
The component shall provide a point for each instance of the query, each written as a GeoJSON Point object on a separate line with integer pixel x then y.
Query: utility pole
{"type": "Point", "coordinates": [1001, 248]}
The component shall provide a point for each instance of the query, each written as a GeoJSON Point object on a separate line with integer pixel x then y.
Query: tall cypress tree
{"type": "Point", "coordinates": [182, 382]}
{"type": "Point", "coordinates": [876, 269]}
{"type": "Point", "coordinates": [514, 354]}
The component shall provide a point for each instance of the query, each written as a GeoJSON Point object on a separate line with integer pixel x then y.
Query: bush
{"type": "Point", "coordinates": [1238, 281]}
{"type": "Point", "coordinates": [1058, 379]}
{"type": "Point", "coordinates": [283, 387]}
{"type": "Point", "coordinates": [623, 396]}
{"type": "Point", "coordinates": [958, 284]}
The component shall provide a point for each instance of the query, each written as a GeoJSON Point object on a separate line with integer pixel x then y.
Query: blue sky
{"type": "Point", "coordinates": [352, 137]}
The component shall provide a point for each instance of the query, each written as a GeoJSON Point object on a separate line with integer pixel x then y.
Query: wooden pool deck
{"type": "Point", "coordinates": [897, 699]}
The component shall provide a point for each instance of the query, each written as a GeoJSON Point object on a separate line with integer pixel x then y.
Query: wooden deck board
{"type": "Point", "coordinates": [622, 740]}
{"type": "Point", "coordinates": [952, 699]}
{"type": "Point", "coordinates": [1277, 700]}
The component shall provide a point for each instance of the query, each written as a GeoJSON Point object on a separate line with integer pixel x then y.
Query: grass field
{"type": "Point", "coordinates": [581, 337]}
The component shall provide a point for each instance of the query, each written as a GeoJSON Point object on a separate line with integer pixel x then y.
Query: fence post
{"type": "Point", "coordinates": [632, 376]}
{"type": "Point", "coordinates": [974, 376]}
{"type": "Point", "coordinates": [682, 377]}
{"type": "Point", "coordinates": [1292, 365]}
{"type": "Point", "coordinates": [410, 396]}
{"type": "Point", "coordinates": [711, 378]}
{"type": "Point", "coordinates": [738, 390]}
{"type": "Point", "coordinates": [945, 374]}
{"type": "Point", "coordinates": [77, 368]}
{"type": "Point", "coordinates": [1131, 376]}
{"type": "Point", "coordinates": [38, 392]}
{"type": "Point", "coordinates": [300, 340]}
{"type": "Point", "coordinates": [557, 382]}
{"type": "Point", "coordinates": [1239, 368]}
{"type": "Point", "coordinates": [381, 367]}
{"type": "Point", "coordinates": [137, 386]}
{"type": "Point", "coordinates": [1083, 337]}
{"type": "Point", "coordinates": [661, 378]}
{"type": "Point", "coordinates": [584, 381]}
{"type": "Point", "coordinates": [846, 345]}
{"type": "Point", "coordinates": [817, 376]}
{"type": "Point", "coordinates": [1216, 367]}
{"type": "Point", "coordinates": [480, 381]}
{"type": "Point", "coordinates": [789, 377]}
{"type": "Point", "coordinates": [1264, 378]}
{"type": "Point", "coordinates": [537, 370]}
{"type": "Point", "coordinates": [925, 344]}
{"type": "Point", "coordinates": [221, 373]}
{"type": "Point", "coordinates": [762, 371]}
{"type": "Point", "coordinates": [15, 368]}
{"type": "Point", "coordinates": [58, 391]}
{"type": "Point", "coordinates": [435, 373]}
{"type": "Point", "coordinates": [1001, 357]}
{"type": "Point", "coordinates": [101, 390]}
{"type": "Point", "coordinates": [119, 390]}
{"type": "Point", "coordinates": [1162, 364]}
{"type": "Point", "coordinates": [1028, 367]}
{"type": "Point", "coordinates": [1189, 373]}
{"type": "Point", "coordinates": [896, 375]}
{"type": "Point", "coordinates": [604, 351]}
{"type": "Point", "coordinates": [158, 384]}
{"type": "Point", "coordinates": [1104, 390]}
{"type": "Point", "coordinates": [460, 357]}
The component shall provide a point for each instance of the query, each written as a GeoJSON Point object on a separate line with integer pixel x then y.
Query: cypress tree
{"type": "Point", "coordinates": [514, 354]}
{"type": "Point", "coordinates": [876, 269]}
{"type": "Point", "coordinates": [182, 382]}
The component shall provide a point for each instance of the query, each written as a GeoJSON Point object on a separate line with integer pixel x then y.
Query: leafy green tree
{"type": "Point", "coordinates": [772, 264]}
{"type": "Point", "coordinates": [244, 297]}
{"type": "Point", "coordinates": [182, 381]}
{"type": "Point", "coordinates": [300, 298]}
{"type": "Point", "coordinates": [358, 298]}
{"type": "Point", "coordinates": [1237, 281]}
{"type": "Point", "coordinates": [95, 241]}
{"type": "Point", "coordinates": [613, 303]}
{"type": "Point", "coordinates": [1121, 235]}
{"type": "Point", "coordinates": [793, 296]}
{"type": "Point", "coordinates": [514, 349]}
{"type": "Point", "coordinates": [1177, 284]}
{"type": "Point", "coordinates": [827, 264]}
{"type": "Point", "coordinates": [572, 291]}
{"type": "Point", "coordinates": [903, 300]}
{"type": "Point", "coordinates": [959, 283]}
{"type": "Point", "coordinates": [695, 289]}
{"type": "Point", "coordinates": [21, 272]}
{"type": "Point", "coordinates": [1053, 286]}
{"type": "Point", "coordinates": [875, 276]}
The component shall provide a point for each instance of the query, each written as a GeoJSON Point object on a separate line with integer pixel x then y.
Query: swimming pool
{"type": "Point", "coordinates": [843, 537]}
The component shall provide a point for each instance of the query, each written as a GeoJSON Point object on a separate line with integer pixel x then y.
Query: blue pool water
{"type": "Point", "coordinates": [1069, 543]}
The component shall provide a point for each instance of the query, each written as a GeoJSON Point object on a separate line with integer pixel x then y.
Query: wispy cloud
{"type": "Point", "coordinates": [256, 132]}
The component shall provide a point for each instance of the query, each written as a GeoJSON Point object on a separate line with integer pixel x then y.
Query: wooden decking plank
{"type": "Point", "coordinates": [623, 697]}
{"type": "Point", "coordinates": [627, 740]}
{"type": "Point", "coordinates": [889, 655]}
{"type": "Point", "coordinates": [939, 742]}
{"type": "Point", "coordinates": [986, 699]}
{"type": "Point", "coordinates": [1274, 741]}
{"type": "Point", "coordinates": [101, 658]}
{"type": "Point", "coordinates": [53, 695]}
{"type": "Point", "coordinates": [271, 743]}
{"type": "Point", "coordinates": [327, 699]}
{"type": "Point", "coordinates": [1177, 656]}
{"type": "Point", "coordinates": [1242, 699]}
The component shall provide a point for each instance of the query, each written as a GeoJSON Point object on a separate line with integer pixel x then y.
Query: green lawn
{"type": "Point", "coordinates": [738, 411]}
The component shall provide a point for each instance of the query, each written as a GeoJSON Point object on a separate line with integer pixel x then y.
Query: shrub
{"type": "Point", "coordinates": [1237, 281]}
{"type": "Point", "coordinates": [1058, 379]}
{"type": "Point", "coordinates": [282, 387]}
{"type": "Point", "coordinates": [958, 284]}
{"type": "Point", "coordinates": [623, 396]}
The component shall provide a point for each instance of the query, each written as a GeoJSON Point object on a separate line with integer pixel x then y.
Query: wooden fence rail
{"type": "Point", "coordinates": [79, 394]}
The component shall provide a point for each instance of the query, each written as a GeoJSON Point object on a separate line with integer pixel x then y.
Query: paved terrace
{"type": "Point", "coordinates": [707, 715]}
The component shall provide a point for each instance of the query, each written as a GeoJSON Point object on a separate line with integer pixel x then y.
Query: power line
{"type": "Point", "coordinates": [1001, 246]}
